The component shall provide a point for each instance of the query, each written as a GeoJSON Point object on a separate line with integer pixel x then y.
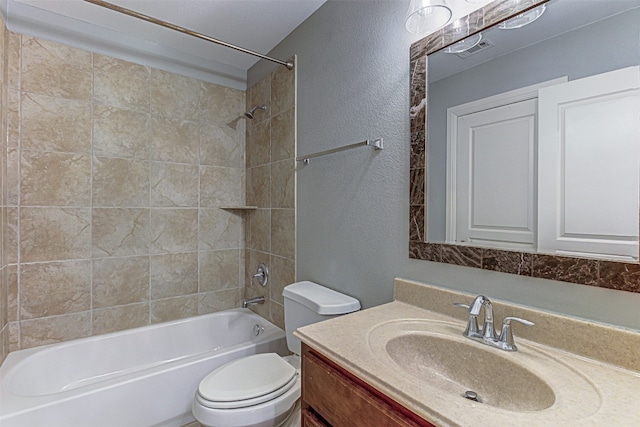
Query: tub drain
{"type": "Point", "coordinates": [471, 395]}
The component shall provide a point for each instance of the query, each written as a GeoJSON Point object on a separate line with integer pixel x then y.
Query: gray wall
{"type": "Point", "coordinates": [352, 207]}
{"type": "Point", "coordinates": [565, 55]}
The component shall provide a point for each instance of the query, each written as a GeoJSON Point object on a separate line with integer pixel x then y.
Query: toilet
{"type": "Point", "coordinates": [263, 390]}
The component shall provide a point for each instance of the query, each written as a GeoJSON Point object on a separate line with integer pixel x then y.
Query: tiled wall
{"type": "Point", "coordinates": [116, 176]}
{"type": "Point", "coordinates": [270, 230]}
{"type": "Point", "coordinates": [4, 320]}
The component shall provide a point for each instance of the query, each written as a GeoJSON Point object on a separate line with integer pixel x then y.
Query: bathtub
{"type": "Point", "coordinates": [140, 377]}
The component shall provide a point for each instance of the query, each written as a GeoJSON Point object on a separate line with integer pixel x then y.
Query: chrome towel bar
{"type": "Point", "coordinates": [376, 144]}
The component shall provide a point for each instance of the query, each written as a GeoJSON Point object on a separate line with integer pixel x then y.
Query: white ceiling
{"type": "Point", "coordinates": [257, 25]}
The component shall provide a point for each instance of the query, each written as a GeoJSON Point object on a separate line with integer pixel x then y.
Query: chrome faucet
{"type": "Point", "coordinates": [488, 334]}
{"type": "Point", "coordinates": [252, 301]}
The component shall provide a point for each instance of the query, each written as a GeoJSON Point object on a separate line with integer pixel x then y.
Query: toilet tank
{"type": "Point", "coordinates": [307, 302]}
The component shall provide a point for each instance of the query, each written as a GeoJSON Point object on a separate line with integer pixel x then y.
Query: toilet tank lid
{"type": "Point", "coordinates": [322, 300]}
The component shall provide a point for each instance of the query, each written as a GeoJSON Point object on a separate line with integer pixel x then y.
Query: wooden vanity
{"type": "Point", "coordinates": [331, 396]}
{"type": "Point", "coordinates": [358, 369]}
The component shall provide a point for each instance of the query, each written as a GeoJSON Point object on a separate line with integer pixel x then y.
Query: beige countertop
{"type": "Point", "coordinates": [597, 388]}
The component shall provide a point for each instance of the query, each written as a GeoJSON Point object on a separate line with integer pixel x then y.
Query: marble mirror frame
{"type": "Point", "coordinates": [607, 274]}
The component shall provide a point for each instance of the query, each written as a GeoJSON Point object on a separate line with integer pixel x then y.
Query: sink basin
{"type": "Point", "coordinates": [436, 356]}
{"type": "Point", "coordinates": [457, 367]}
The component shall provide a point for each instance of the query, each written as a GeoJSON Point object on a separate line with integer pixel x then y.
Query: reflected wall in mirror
{"type": "Point", "coordinates": [586, 38]}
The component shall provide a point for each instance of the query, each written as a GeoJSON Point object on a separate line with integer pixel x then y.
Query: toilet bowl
{"type": "Point", "coordinates": [263, 390]}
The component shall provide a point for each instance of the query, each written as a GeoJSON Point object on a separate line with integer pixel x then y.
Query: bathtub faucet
{"type": "Point", "coordinates": [253, 301]}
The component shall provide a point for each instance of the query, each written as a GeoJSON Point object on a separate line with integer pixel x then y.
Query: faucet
{"type": "Point", "coordinates": [488, 335]}
{"type": "Point", "coordinates": [252, 301]}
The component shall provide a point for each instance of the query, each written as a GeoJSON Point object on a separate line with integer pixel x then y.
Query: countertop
{"type": "Point", "coordinates": [600, 392]}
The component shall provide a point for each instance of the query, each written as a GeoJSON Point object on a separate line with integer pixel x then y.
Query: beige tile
{"type": "Point", "coordinates": [283, 184]}
{"type": "Point", "coordinates": [175, 96]}
{"type": "Point", "coordinates": [113, 319]}
{"type": "Point", "coordinates": [222, 145]}
{"type": "Point", "coordinates": [4, 297]}
{"type": "Point", "coordinates": [119, 281]}
{"type": "Point", "coordinates": [283, 273]}
{"type": "Point", "coordinates": [174, 308]}
{"type": "Point", "coordinates": [54, 288]}
{"type": "Point", "coordinates": [120, 133]}
{"type": "Point", "coordinates": [50, 330]}
{"type": "Point", "coordinates": [259, 94]}
{"type": "Point", "coordinates": [219, 270]}
{"type": "Point", "coordinates": [55, 179]}
{"type": "Point", "coordinates": [12, 293]}
{"type": "Point", "coordinates": [120, 182]}
{"type": "Point", "coordinates": [221, 186]}
{"type": "Point", "coordinates": [174, 230]}
{"type": "Point", "coordinates": [14, 336]}
{"type": "Point", "coordinates": [212, 302]}
{"type": "Point", "coordinates": [55, 124]}
{"type": "Point", "coordinates": [277, 314]}
{"type": "Point", "coordinates": [259, 237]}
{"type": "Point", "coordinates": [121, 83]}
{"type": "Point", "coordinates": [13, 117]}
{"type": "Point", "coordinates": [120, 232]}
{"type": "Point", "coordinates": [220, 103]}
{"type": "Point", "coordinates": [283, 232]}
{"type": "Point", "coordinates": [283, 90]}
{"type": "Point", "coordinates": [283, 136]}
{"type": "Point", "coordinates": [174, 275]}
{"type": "Point", "coordinates": [11, 236]}
{"type": "Point", "coordinates": [174, 140]}
{"type": "Point", "coordinates": [219, 229]}
{"type": "Point", "coordinates": [55, 69]}
{"type": "Point", "coordinates": [174, 185]}
{"type": "Point", "coordinates": [14, 48]}
{"type": "Point", "coordinates": [259, 144]}
{"type": "Point", "coordinates": [259, 186]}
{"type": "Point", "coordinates": [13, 177]}
{"type": "Point", "coordinates": [48, 234]}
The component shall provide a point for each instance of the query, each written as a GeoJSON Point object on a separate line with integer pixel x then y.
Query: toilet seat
{"type": "Point", "coordinates": [247, 382]}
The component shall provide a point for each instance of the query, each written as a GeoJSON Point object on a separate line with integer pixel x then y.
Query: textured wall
{"type": "Point", "coordinates": [352, 208]}
{"type": "Point", "coordinates": [270, 230]}
{"type": "Point", "coordinates": [117, 173]}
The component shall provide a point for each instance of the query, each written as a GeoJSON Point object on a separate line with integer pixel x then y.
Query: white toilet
{"type": "Point", "coordinates": [263, 390]}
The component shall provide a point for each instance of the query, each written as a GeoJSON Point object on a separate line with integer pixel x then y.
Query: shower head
{"type": "Point", "coordinates": [249, 113]}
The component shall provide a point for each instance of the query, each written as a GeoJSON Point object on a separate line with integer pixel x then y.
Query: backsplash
{"type": "Point", "coordinates": [116, 175]}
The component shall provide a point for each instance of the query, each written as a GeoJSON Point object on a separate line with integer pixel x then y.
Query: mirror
{"type": "Point", "coordinates": [605, 37]}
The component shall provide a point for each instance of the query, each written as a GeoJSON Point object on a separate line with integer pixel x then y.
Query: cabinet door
{"type": "Point", "coordinates": [342, 400]}
{"type": "Point", "coordinates": [589, 153]}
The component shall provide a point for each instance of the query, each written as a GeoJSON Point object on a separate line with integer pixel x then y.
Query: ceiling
{"type": "Point", "coordinates": [257, 25]}
{"type": "Point", "coordinates": [560, 17]}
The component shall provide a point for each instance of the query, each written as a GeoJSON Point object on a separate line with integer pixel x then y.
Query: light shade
{"type": "Point", "coordinates": [465, 44]}
{"type": "Point", "coordinates": [426, 16]}
{"type": "Point", "coordinates": [523, 19]}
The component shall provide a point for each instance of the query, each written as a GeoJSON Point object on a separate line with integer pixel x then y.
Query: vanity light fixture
{"type": "Point", "coordinates": [523, 19]}
{"type": "Point", "coordinates": [464, 45]}
{"type": "Point", "coordinates": [426, 16]}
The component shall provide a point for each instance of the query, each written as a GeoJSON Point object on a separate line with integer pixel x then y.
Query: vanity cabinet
{"type": "Point", "coordinates": [332, 396]}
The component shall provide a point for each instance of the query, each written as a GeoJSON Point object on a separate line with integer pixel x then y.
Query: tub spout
{"type": "Point", "coordinates": [253, 301]}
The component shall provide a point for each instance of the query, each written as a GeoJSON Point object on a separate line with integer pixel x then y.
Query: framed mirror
{"type": "Point", "coordinates": [605, 38]}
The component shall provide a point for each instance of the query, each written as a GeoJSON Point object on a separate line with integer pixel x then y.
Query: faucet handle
{"type": "Point", "coordinates": [506, 335]}
{"type": "Point", "coordinates": [473, 329]}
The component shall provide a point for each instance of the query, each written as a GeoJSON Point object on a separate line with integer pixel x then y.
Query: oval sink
{"type": "Point", "coordinates": [435, 357]}
{"type": "Point", "coordinates": [457, 367]}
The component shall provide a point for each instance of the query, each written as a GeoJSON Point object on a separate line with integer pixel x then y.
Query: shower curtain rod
{"type": "Point", "coordinates": [165, 24]}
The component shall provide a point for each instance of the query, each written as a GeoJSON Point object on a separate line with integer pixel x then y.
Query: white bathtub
{"type": "Point", "coordinates": [140, 377]}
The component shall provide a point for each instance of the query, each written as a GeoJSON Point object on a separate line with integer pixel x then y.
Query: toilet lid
{"type": "Point", "coordinates": [248, 380]}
